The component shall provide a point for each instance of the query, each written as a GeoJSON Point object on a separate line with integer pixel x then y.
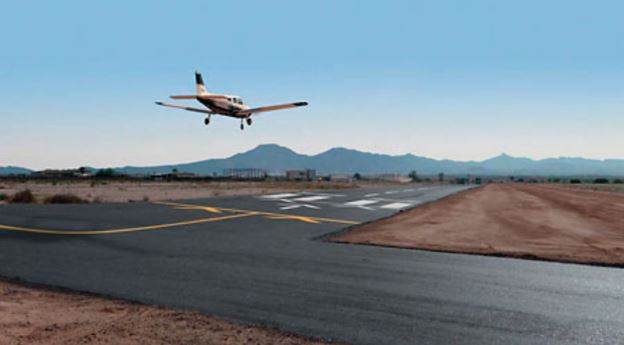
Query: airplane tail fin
{"type": "Point", "coordinates": [199, 81]}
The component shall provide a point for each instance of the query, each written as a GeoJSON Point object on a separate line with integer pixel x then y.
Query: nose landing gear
{"type": "Point", "coordinates": [242, 126]}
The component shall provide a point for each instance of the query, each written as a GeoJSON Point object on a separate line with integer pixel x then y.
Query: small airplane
{"type": "Point", "coordinates": [226, 105]}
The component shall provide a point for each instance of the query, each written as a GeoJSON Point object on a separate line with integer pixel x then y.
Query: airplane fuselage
{"type": "Point", "coordinates": [229, 106]}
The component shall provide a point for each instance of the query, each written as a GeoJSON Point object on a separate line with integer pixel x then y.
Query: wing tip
{"type": "Point", "coordinates": [301, 104]}
{"type": "Point", "coordinates": [159, 103]}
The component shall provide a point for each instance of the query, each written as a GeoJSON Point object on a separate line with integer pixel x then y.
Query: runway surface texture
{"type": "Point", "coordinates": [266, 260]}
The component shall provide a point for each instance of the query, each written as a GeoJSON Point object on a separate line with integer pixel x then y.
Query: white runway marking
{"type": "Point", "coordinates": [290, 207]}
{"type": "Point", "coordinates": [313, 198]}
{"type": "Point", "coordinates": [361, 202]}
{"type": "Point", "coordinates": [279, 196]}
{"type": "Point", "coordinates": [371, 195]}
{"type": "Point", "coordinates": [392, 192]}
{"type": "Point", "coordinates": [396, 205]}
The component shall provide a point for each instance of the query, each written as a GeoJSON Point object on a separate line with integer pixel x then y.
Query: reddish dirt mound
{"type": "Point", "coordinates": [521, 220]}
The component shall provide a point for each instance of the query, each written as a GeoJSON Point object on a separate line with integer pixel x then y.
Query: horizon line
{"type": "Point", "coordinates": [502, 154]}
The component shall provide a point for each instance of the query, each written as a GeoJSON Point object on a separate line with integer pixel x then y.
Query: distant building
{"type": "Point", "coordinates": [301, 175]}
{"type": "Point", "coordinates": [249, 173]}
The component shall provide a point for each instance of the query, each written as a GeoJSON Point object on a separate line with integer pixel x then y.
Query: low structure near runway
{"type": "Point", "coordinates": [245, 174]}
{"type": "Point", "coordinates": [301, 175]}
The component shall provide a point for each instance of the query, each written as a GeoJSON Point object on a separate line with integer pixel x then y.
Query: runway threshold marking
{"type": "Point", "coordinates": [269, 215]}
{"type": "Point", "coordinates": [118, 231]}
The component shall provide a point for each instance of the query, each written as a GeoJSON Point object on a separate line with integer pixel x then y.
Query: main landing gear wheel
{"type": "Point", "coordinates": [207, 121]}
{"type": "Point", "coordinates": [249, 121]}
{"type": "Point", "coordinates": [242, 125]}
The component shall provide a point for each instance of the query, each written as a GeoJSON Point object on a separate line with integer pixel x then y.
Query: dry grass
{"type": "Point", "coordinates": [616, 188]}
{"type": "Point", "coordinates": [143, 191]}
{"type": "Point", "coordinates": [22, 197]}
{"type": "Point", "coordinates": [64, 199]}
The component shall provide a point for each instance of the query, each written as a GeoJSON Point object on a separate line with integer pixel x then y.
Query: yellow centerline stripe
{"type": "Point", "coordinates": [118, 231]}
{"type": "Point", "coordinates": [262, 213]}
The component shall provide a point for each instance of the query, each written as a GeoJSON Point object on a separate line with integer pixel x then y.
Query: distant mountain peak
{"type": "Point", "coordinates": [270, 146]}
{"type": "Point", "coordinates": [504, 157]}
{"type": "Point", "coordinates": [270, 149]}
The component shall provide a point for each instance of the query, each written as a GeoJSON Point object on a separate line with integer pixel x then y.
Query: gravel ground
{"type": "Point", "coordinates": [39, 316]}
{"type": "Point", "coordinates": [518, 220]}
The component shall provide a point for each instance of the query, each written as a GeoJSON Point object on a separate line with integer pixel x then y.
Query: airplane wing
{"type": "Point", "coordinates": [183, 97]}
{"type": "Point", "coordinates": [197, 110]}
{"type": "Point", "coordinates": [271, 108]}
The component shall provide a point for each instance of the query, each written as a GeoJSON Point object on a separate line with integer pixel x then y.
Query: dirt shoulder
{"type": "Point", "coordinates": [519, 220]}
{"type": "Point", "coordinates": [39, 316]}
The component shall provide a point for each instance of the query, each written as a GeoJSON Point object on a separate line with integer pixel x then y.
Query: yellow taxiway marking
{"type": "Point", "coordinates": [270, 215]}
{"type": "Point", "coordinates": [118, 231]}
{"type": "Point", "coordinates": [203, 208]}
{"type": "Point", "coordinates": [210, 209]}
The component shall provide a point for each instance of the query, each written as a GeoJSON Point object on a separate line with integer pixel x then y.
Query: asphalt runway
{"type": "Point", "coordinates": [266, 260]}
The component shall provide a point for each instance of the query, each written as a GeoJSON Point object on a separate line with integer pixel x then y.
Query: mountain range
{"type": "Point", "coordinates": [11, 170]}
{"type": "Point", "coordinates": [277, 159]}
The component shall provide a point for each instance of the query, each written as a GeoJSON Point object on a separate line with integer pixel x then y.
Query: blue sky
{"type": "Point", "coordinates": [463, 80]}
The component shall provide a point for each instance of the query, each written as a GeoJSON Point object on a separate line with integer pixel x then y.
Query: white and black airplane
{"type": "Point", "coordinates": [226, 105]}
